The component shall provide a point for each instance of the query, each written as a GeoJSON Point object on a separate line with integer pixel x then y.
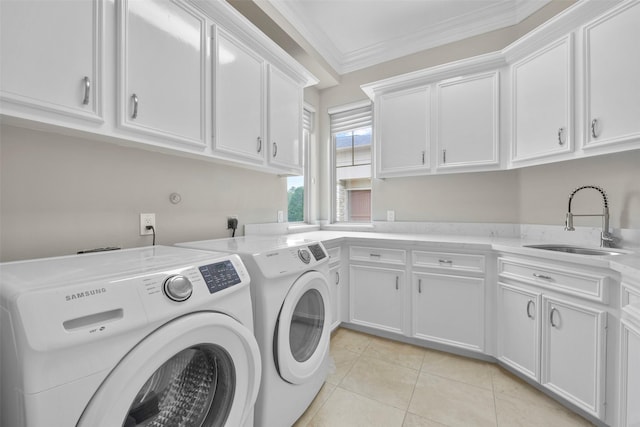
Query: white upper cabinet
{"type": "Point", "coordinates": [542, 111]}
{"type": "Point", "coordinates": [468, 122]}
{"type": "Point", "coordinates": [52, 59]}
{"type": "Point", "coordinates": [162, 72]}
{"type": "Point", "coordinates": [612, 83]}
{"type": "Point", "coordinates": [285, 122]}
{"type": "Point", "coordinates": [402, 132]}
{"type": "Point", "coordinates": [239, 100]}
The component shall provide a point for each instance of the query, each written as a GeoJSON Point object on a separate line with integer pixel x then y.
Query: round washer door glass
{"type": "Point", "coordinates": [193, 388]}
{"type": "Point", "coordinates": [202, 369]}
{"type": "Point", "coordinates": [307, 322]}
{"type": "Point", "coordinates": [302, 336]}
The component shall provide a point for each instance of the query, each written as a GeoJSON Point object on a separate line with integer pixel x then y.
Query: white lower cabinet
{"type": "Point", "coordinates": [449, 309]}
{"type": "Point", "coordinates": [376, 297]}
{"type": "Point", "coordinates": [519, 329]}
{"type": "Point", "coordinates": [559, 343]}
{"type": "Point", "coordinates": [630, 374]}
{"type": "Point", "coordinates": [573, 353]}
{"type": "Point", "coordinates": [334, 283]}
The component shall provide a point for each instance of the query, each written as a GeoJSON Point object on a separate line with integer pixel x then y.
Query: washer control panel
{"type": "Point", "coordinates": [220, 275]}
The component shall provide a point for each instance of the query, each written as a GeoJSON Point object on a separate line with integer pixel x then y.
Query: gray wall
{"type": "Point", "coordinates": [61, 194]}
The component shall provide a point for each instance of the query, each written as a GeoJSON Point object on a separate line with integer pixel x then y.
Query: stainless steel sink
{"type": "Point", "coordinates": [577, 250]}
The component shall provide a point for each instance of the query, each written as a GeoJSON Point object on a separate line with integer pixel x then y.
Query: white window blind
{"type": "Point", "coordinates": [307, 120]}
{"type": "Point", "coordinates": [357, 118]}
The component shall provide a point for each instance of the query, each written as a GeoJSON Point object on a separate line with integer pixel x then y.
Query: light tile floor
{"type": "Point", "coordinates": [379, 382]}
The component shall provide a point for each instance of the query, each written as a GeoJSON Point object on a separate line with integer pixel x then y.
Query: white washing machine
{"type": "Point", "coordinates": [155, 336]}
{"type": "Point", "coordinates": [290, 295]}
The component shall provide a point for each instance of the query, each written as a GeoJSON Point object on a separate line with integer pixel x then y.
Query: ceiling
{"type": "Point", "coordinates": [354, 34]}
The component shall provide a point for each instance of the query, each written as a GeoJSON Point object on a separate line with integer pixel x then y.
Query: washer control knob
{"type": "Point", "coordinates": [304, 255]}
{"type": "Point", "coordinates": [178, 288]}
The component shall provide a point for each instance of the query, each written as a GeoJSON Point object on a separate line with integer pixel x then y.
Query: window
{"type": "Point", "coordinates": [351, 134]}
{"type": "Point", "coordinates": [296, 207]}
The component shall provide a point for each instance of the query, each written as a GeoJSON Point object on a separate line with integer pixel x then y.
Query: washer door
{"type": "Point", "coordinates": [302, 334]}
{"type": "Point", "coordinates": [199, 370]}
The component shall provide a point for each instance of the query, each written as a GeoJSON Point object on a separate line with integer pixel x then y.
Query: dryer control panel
{"type": "Point", "coordinates": [292, 260]}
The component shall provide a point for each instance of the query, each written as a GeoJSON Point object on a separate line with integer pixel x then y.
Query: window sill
{"type": "Point", "coordinates": [301, 228]}
{"type": "Point", "coordinates": [352, 226]}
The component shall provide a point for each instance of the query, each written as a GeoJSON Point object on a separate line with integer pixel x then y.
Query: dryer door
{"type": "Point", "coordinates": [202, 369]}
{"type": "Point", "coordinates": [302, 334]}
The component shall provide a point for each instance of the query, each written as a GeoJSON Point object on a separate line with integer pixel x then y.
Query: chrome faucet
{"type": "Point", "coordinates": [606, 239]}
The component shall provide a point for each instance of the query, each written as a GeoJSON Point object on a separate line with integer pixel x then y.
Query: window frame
{"type": "Point", "coordinates": [332, 161]}
{"type": "Point", "coordinates": [306, 166]}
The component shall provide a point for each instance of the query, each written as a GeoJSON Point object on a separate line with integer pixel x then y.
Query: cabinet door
{"type": "Point", "coordinates": [630, 375]}
{"type": "Point", "coordinates": [519, 329]}
{"type": "Point", "coordinates": [467, 124]}
{"type": "Point", "coordinates": [52, 57]}
{"type": "Point", "coordinates": [285, 122]}
{"type": "Point", "coordinates": [402, 132]}
{"type": "Point", "coordinates": [573, 350]}
{"type": "Point", "coordinates": [612, 68]}
{"type": "Point", "coordinates": [376, 297]}
{"type": "Point", "coordinates": [162, 70]}
{"type": "Point", "coordinates": [239, 100]}
{"type": "Point", "coordinates": [449, 309]}
{"type": "Point", "coordinates": [542, 102]}
{"type": "Point", "coordinates": [334, 293]}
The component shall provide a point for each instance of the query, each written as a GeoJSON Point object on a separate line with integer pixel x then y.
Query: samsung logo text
{"type": "Point", "coordinates": [84, 294]}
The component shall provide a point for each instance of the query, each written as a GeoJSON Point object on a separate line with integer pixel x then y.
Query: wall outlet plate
{"type": "Point", "coordinates": [391, 216]}
{"type": "Point", "coordinates": [280, 216]}
{"type": "Point", "coordinates": [147, 219]}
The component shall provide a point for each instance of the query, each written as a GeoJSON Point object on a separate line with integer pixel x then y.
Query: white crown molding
{"type": "Point", "coordinates": [491, 18]}
{"type": "Point", "coordinates": [475, 64]}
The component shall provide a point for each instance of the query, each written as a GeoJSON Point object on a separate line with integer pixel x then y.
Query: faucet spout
{"type": "Point", "coordinates": [606, 238]}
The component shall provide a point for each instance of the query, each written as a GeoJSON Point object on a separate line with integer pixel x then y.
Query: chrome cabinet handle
{"type": "Point", "coordinates": [275, 149]}
{"type": "Point", "coordinates": [337, 277]}
{"type": "Point", "coordinates": [397, 278]}
{"type": "Point", "coordinates": [561, 136]}
{"type": "Point", "coordinates": [553, 310]}
{"type": "Point", "coordinates": [594, 126]}
{"type": "Point", "coordinates": [445, 261]}
{"type": "Point", "coordinates": [423, 154]}
{"type": "Point", "coordinates": [419, 286]}
{"type": "Point", "coordinates": [528, 311]}
{"type": "Point", "coordinates": [444, 155]}
{"type": "Point", "coordinates": [134, 97]}
{"type": "Point", "coordinates": [375, 255]}
{"type": "Point", "coordinates": [259, 149]}
{"type": "Point", "coordinates": [542, 276]}
{"type": "Point", "coordinates": [87, 90]}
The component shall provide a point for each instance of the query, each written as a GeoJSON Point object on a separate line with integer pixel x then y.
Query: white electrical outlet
{"type": "Point", "coordinates": [280, 216]}
{"type": "Point", "coordinates": [391, 216]}
{"type": "Point", "coordinates": [146, 220]}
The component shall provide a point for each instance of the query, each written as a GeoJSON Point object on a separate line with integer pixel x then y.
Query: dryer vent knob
{"type": "Point", "coordinates": [178, 288]}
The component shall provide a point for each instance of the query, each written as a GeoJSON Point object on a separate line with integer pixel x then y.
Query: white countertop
{"type": "Point", "coordinates": [627, 264]}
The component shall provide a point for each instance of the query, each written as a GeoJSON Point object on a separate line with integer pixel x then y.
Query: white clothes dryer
{"type": "Point", "coordinates": [290, 296]}
{"type": "Point", "coordinates": [158, 336]}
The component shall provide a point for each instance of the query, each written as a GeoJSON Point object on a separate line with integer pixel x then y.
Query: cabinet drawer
{"type": "Point", "coordinates": [334, 255]}
{"type": "Point", "coordinates": [590, 286]}
{"type": "Point", "coordinates": [387, 256]}
{"type": "Point", "coordinates": [459, 262]}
